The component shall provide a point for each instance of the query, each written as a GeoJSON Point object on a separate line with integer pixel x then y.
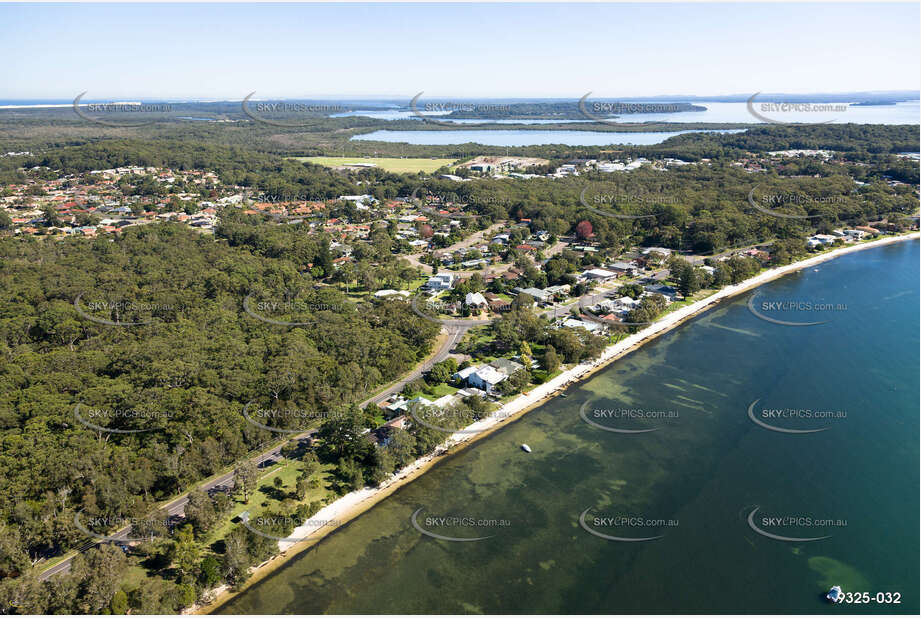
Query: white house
{"type": "Point", "coordinates": [820, 239]}
{"type": "Point", "coordinates": [486, 378]}
{"type": "Point", "coordinates": [591, 327]}
{"type": "Point", "coordinates": [475, 299]}
{"type": "Point", "coordinates": [465, 373]}
{"type": "Point", "coordinates": [443, 281]}
{"type": "Point", "coordinates": [599, 274]}
{"type": "Point", "coordinates": [661, 250]}
{"type": "Point", "coordinates": [388, 293]}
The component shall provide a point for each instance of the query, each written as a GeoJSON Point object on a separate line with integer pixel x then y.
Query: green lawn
{"type": "Point", "coordinates": [397, 165]}
{"type": "Point", "coordinates": [437, 391]}
{"type": "Point", "coordinates": [287, 470]}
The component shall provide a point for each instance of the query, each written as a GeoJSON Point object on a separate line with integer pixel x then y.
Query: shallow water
{"type": "Point", "coordinates": [696, 477]}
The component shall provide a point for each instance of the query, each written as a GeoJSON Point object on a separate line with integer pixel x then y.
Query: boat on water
{"type": "Point", "coordinates": [564, 395]}
{"type": "Point", "coordinates": [834, 594]}
{"type": "Point", "coordinates": [526, 448]}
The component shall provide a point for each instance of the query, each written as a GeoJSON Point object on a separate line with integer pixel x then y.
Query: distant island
{"type": "Point", "coordinates": [550, 110]}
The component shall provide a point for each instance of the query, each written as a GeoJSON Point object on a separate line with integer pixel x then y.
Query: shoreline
{"type": "Point", "coordinates": [351, 505]}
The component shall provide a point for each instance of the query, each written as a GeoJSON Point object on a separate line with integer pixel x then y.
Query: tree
{"type": "Point", "coordinates": [584, 230]}
{"type": "Point", "coordinates": [551, 361]}
{"type": "Point", "coordinates": [689, 282]}
{"type": "Point", "coordinates": [119, 604]}
{"type": "Point", "coordinates": [246, 476]}
{"type": "Point", "coordinates": [441, 372]}
{"type": "Point", "coordinates": [200, 511]}
{"type": "Point", "coordinates": [342, 434]}
{"type": "Point", "coordinates": [351, 474]}
{"type": "Point", "coordinates": [235, 562]}
{"type": "Point", "coordinates": [98, 575]}
{"type": "Point", "coordinates": [209, 572]}
{"type": "Point", "coordinates": [51, 216]}
{"type": "Point", "coordinates": [401, 447]}
{"type": "Point", "coordinates": [186, 552]}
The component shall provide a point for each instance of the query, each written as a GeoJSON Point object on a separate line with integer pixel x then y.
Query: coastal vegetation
{"type": "Point", "coordinates": [136, 366]}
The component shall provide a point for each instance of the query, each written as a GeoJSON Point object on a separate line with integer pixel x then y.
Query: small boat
{"type": "Point", "coordinates": [564, 395]}
{"type": "Point", "coordinates": [834, 594]}
{"type": "Point", "coordinates": [526, 448]}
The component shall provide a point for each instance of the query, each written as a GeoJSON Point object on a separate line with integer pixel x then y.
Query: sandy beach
{"type": "Point", "coordinates": [353, 504]}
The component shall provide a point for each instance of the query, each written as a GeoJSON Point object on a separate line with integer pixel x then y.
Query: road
{"type": "Point", "coordinates": [455, 334]}
{"type": "Point", "coordinates": [176, 507]}
{"type": "Point", "coordinates": [455, 329]}
{"type": "Point", "coordinates": [473, 239]}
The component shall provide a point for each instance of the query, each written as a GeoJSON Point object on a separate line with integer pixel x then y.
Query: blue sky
{"type": "Point", "coordinates": [285, 50]}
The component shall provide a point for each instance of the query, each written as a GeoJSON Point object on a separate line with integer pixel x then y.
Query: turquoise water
{"type": "Point", "coordinates": [525, 137]}
{"type": "Point", "coordinates": [697, 477]}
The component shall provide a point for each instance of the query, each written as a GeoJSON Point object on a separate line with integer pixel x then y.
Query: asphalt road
{"type": "Point", "coordinates": [176, 507]}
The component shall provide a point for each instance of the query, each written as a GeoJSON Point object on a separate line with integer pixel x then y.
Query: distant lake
{"type": "Point", "coordinates": [525, 137]}
{"type": "Point", "coordinates": [907, 112]}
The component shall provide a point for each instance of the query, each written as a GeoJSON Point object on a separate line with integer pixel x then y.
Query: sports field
{"type": "Point", "coordinates": [387, 164]}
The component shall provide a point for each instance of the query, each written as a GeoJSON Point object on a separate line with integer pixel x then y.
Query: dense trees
{"type": "Point", "coordinates": [176, 380]}
{"type": "Point", "coordinates": [168, 356]}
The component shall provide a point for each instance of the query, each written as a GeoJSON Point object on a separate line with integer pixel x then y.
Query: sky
{"type": "Point", "coordinates": [224, 52]}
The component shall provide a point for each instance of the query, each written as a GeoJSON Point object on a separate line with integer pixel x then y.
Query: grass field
{"type": "Point", "coordinates": [400, 166]}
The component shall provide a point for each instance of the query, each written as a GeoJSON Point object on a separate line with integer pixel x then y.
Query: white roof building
{"type": "Point", "coordinates": [599, 273]}
{"type": "Point", "coordinates": [475, 299]}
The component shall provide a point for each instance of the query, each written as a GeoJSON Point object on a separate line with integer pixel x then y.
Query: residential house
{"type": "Point", "coordinates": [476, 300]}
{"type": "Point", "coordinates": [598, 274]}
{"type": "Point", "coordinates": [541, 297]}
{"type": "Point", "coordinates": [591, 327]}
{"type": "Point", "coordinates": [440, 282]}
{"type": "Point", "coordinates": [624, 268]}
{"type": "Point", "coordinates": [486, 378]}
